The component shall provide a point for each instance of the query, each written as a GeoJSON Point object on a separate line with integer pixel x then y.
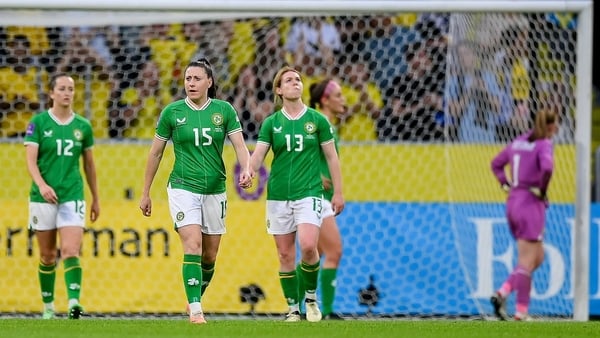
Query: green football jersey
{"type": "Point", "coordinates": [296, 145]}
{"type": "Point", "coordinates": [60, 146]}
{"type": "Point", "coordinates": [328, 193]}
{"type": "Point", "coordinates": [198, 136]}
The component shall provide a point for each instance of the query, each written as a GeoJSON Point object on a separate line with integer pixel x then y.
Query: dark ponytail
{"type": "Point", "coordinates": [317, 91]}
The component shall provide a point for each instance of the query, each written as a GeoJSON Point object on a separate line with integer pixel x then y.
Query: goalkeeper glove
{"type": "Point", "coordinates": [540, 194]}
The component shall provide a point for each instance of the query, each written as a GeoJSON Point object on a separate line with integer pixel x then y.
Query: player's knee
{"type": "Point", "coordinates": [310, 254]}
{"type": "Point", "coordinates": [286, 258]}
{"type": "Point", "coordinates": [334, 257]}
{"type": "Point", "coordinates": [69, 252]}
{"type": "Point", "coordinates": [48, 258]}
{"type": "Point", "coordinates": [209, 257]}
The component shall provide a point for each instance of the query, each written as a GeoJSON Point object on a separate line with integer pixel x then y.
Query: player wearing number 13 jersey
{"type": "Point", "coordinates": [298, 137]}
{"type": "Point", "coordinates": [531, 161]}
{"type": "Point", "coordinates": [296, 145]}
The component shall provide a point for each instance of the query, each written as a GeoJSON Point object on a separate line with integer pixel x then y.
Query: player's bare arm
{"type": "Point", "coordinates": [333, 163]}
{"type": "Point", "coordinates": [154, 157]}
{"type": "Point", "coordinates": [243, 157]}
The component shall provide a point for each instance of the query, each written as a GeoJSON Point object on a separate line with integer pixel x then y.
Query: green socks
{"type": "Point", "coordinates": [47, 276]}
{"type": "Point", "coordinates": [301, 288]}
{"type": "Point", "coordinates": [73, 276]}
{"type": "Point", "coordinates": [310, 276]}
{"type": "Point", "coordinates": [289, 285]}
{"type": "Point", "coordinates": [327, 279]}
{"type": "Point", "coordinates": [208, 270]}
{"type": "Point", "coordinates": [328, 290]}
{"type": "Point", "coordinates": [192, 277]}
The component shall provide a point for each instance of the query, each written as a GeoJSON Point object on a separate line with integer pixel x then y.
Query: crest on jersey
{"type": "Point", "coordinates": [217, 119]}
{"type": "Point", "coordinates": [180, 216]}
{"type": "Point", "coordinates": [310, 127]}
{"type": "Point", "coordinates": [77, 134]}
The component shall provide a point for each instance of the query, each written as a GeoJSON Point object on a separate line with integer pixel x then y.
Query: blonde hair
{"type": "Point", "coordinates": [277, 99]}
{"type": "Point", "coordinates": [543, 118]}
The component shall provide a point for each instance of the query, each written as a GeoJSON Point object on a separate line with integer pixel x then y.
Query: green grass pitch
{"type": "Point", "coordinates": [181, 328]}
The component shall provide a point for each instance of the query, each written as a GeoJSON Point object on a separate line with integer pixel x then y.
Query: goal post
{"type": "Point", "coordinates": [583, 185]}
{"type": "Point", "coordinates": [423, 206]}
{"type": "Point", "coordinates": [310, 6]}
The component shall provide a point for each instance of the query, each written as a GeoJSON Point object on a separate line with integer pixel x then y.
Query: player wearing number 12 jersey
{"type": "Point", "coordinates": [531, 161]}
{"type": "Point", "coordinates": [198, 126]}
{"type": "Point", "coordinates": [298, 136]}
{"type": "Point", "coordinates": [55, 142]}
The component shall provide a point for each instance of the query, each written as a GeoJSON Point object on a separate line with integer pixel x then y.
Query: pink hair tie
{"type": "Point", "coordinates": [329, 88]}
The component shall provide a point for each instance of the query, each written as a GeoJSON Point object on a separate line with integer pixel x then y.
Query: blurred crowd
{"type": "Point", "coordinates": [406, 78]}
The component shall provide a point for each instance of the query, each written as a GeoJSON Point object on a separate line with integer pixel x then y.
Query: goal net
{"type": "Point", "coordinates": [431, 98]}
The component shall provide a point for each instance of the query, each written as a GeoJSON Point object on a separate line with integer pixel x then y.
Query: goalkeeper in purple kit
{"type": "Point", "coordinates": [530, 158]}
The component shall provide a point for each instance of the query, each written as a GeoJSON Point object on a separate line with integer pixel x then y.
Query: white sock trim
{"type": "Point", "coordinates": [195, 307]}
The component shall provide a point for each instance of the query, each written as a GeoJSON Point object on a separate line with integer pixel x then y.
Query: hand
{"type": "Point", "coordinates": [505, 185]}
{"type": "Point", "coordinates": [49, 194]}
{"type": "Point", "coordinates": [146, 206]}
{"type": "Point", "coordinates": [94, 211]}
{"type": "Point", "coordinates": [537, 192]}
{"type": "Point", "coordinates": [245, 184]}
{"type": "Point", "coordinates": [245, 180]}
{"type": "Point", "coordinates": [540, 194]}
{"type": "Point", "coordinates": [337, 204]}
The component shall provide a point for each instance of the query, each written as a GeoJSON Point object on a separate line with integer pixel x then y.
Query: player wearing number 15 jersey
{"type": "Point", "coordinates": [298, 137]}
{"type": "Point", "coordinates": [198, 126]}
{"type": "Point", "coordinates": [55, 141]}
{"type": "Point", "coordinates": [531, 162]}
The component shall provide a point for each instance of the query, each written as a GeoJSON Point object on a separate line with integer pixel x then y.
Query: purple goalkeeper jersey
{"type": "Point", "coordinates": [531, 163]}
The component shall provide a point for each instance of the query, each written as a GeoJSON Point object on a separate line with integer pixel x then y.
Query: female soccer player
{"type": "Point", "coordinates": [198, 126]}
{"type": "Point", "coordinates": [326, 96]}
{"type": "Point", "coordinates": [298, 136]}
{"type": "Point", "coordinates": [54, 142]}
{"type": "Point", "coordinates": [531, 162]}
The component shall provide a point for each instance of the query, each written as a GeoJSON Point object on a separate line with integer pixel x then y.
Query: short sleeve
{"type": "Point", "coordinates": [88, 137]}
{"type": "Point", "coordinates": [32, 131]}
{"type": "Point", "coordinates": [163, 126]}
{"type": "Point", "coordinates": [325, 130]}
{"type": "Point", "coordinates": [265, 134]}
{"type": "Point", "coordinates": [233, 121]}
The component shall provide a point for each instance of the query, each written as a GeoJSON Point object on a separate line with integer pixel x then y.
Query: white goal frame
{"type": "Point", "coordinates": [15, 11]}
